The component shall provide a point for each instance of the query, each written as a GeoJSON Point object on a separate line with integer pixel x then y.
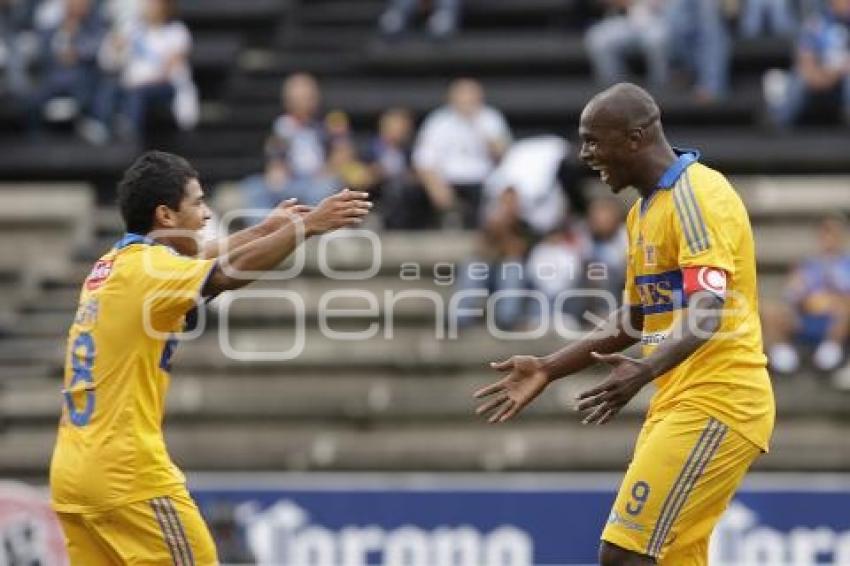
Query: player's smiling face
{"type": "Point", "coordinates": [190, 218]}
{"type": "Point", "coordinates": [605, 148]}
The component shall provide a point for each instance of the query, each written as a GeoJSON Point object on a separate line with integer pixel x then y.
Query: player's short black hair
{"type": "Point", "coordinates": [153, 179]}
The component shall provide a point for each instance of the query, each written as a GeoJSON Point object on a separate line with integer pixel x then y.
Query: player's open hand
{"type": "Point", "coordinates": [627, 377]}
{"type": "Point", "coordinates": [524, 382]}
{"type": "Point", "coordinates": [346, 208]}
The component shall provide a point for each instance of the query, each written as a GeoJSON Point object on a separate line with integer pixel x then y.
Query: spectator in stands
{"type": "Point", "coordinates": [605, 254]}
{"type": "Point", "coordinates": [303, 140]}
{"type": "Point", "coordinates": [555, 267]}
{"type": "Point", "coordinates": [262, 192]}
{"type": "Point", "coordinates": [344, 163]}
{"type": "Point", "coordinates": [699, 41]}
{"type": "Point", "coordinates": [822, 67]}
{"type": "Point", "coordinates": [630, 26]}
{"type": "Point", "coordinates": [816, 314]}
{"type": "Point", "coordinates": [16, 18]}
{"type": "Point", "coordinates": [540, 171]}
{"type": "Point", "coordinates": [586, 256]}
{"type": "Point", "coordinates": [754, 14]}
{"type": "Point", "coordinates": [401, 201]}
{"type": "Point", "coordinates": [442, 23]}
{"type": "Point", "coordinates": [457, 148]}
{"type": "Point", "coordinates": [502, 246]}
{"type": "Point", "coordinates": [67, 59]}
{"type": "Point", "coordinates": [150, 61]}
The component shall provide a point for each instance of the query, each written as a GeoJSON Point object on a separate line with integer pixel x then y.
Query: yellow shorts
{"type": "Point", "coordinates": [685, 470]}
{"type": "Point", "coordinates": [164, 530]}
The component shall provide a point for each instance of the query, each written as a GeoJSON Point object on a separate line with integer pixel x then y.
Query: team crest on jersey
{"type": "Point", "coordinates": [650, 257]}
{"type": "Point", "coordinates": [99, 274]}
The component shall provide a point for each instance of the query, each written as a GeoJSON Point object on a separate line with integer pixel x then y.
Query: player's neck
{"type": "Point", "coordinates": [656, 163]}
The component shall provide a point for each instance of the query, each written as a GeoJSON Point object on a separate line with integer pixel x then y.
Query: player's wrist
{"type": "Point", "coordinates": [547, 364]}
{"type": "Point", "coordinates": [650, 370]}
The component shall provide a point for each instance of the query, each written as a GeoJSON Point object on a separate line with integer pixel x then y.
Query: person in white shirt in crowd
{"type": "Point", "coordinates": [632, 26]}
{"type": "Point", "coordinates": [150, 60]}
{"type": "Point", "coordinates": [304, 140]}
{"type": "Point", "coordinates": [457, 147]}
{"type": "Point", "coordinates": [540, 170]}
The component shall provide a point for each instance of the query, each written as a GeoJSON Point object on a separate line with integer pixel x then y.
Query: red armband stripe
{"type": "Point", "coordinates": [711, 279]}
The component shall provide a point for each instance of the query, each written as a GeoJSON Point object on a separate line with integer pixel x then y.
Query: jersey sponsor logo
{"type": "Point", "coordinates": [285, 533]}
{"type": "Point", "coordinates": [99, 274]}
{"type": "Point", "coordinates": [661, 292]}
{"type": "Point", "coordinates": [616, 519]}
{"type": "Point", "coordinates": [653, 338]}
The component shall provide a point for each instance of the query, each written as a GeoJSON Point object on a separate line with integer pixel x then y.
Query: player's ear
{"type": "Point", "coordinates": [635, 138]}
{"type": "Point", "coordinates": [165, 217]}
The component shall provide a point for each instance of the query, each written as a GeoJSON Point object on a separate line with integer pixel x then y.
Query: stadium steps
{"type": "Point", "coordinates": [406, 303]}
{"type": "Point", "coordinates": [405, 348]}
{"type": "Point", "coordinates": [434, 252]}
{"type": "Point", "coordinates": [498, 52]}
{"type": "Point", "coordinates": [255, 20]}
{"type": "Point", "coordinates": [555, 444]}
{"type": "Point", "coordinates": [521, 99]}
{"type": "Point", "coordinates": [364, 396]}
{"type": "Point", "coordinates": [355, 250]}
{"type": "Point", "coordinates": [474, 13]}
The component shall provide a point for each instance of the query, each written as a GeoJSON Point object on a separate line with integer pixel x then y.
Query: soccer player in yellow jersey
{"type": "Point", "coordinates": [691, 301]}
{"type": "Point", "coordinates": [119, 497]}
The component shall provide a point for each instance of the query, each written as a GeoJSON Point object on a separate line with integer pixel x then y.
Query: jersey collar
{"type": "Point", "coordinates": [687, 157]}
{"type": "Point", "coordinates": [130, 238]}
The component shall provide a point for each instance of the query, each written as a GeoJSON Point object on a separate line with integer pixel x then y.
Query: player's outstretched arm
{"type": "Point", "coordinates": [528, 376]}
{"type": "Point", "coordinates": [235, 269]}
{"type": "Point", "coordinates": [628, 375]}
{"type": "Point", "coordinates": [286, 212]}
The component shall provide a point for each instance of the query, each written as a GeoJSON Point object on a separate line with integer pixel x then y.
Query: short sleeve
{"type": "Point", "coordinates": [631, 295]}
{"type": "Point", "coordinates": [705, 224]}
{"type": "Point", "coordinates": [172, 282]}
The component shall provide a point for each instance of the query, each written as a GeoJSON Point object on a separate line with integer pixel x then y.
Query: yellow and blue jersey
{"type": "Point", "coordinates": [695, 218]}
{"type": "Point", "coordinates": [110, 449]}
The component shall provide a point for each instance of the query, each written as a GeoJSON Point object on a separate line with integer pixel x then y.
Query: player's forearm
{"type": "Point", "coordinates": [239, 267]}
{"type": "Point", "coordinates": [622, 330]}
{"type": "Point", "coordinates": [698, 326]}
{"type": "Point", "coordinates": [238, 239]}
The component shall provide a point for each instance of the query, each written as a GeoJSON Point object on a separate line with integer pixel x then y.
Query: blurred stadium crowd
{"type": "Point", "coordinates": [479, 177]}
{"type": "Point", "coordinates": [107, 65]}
